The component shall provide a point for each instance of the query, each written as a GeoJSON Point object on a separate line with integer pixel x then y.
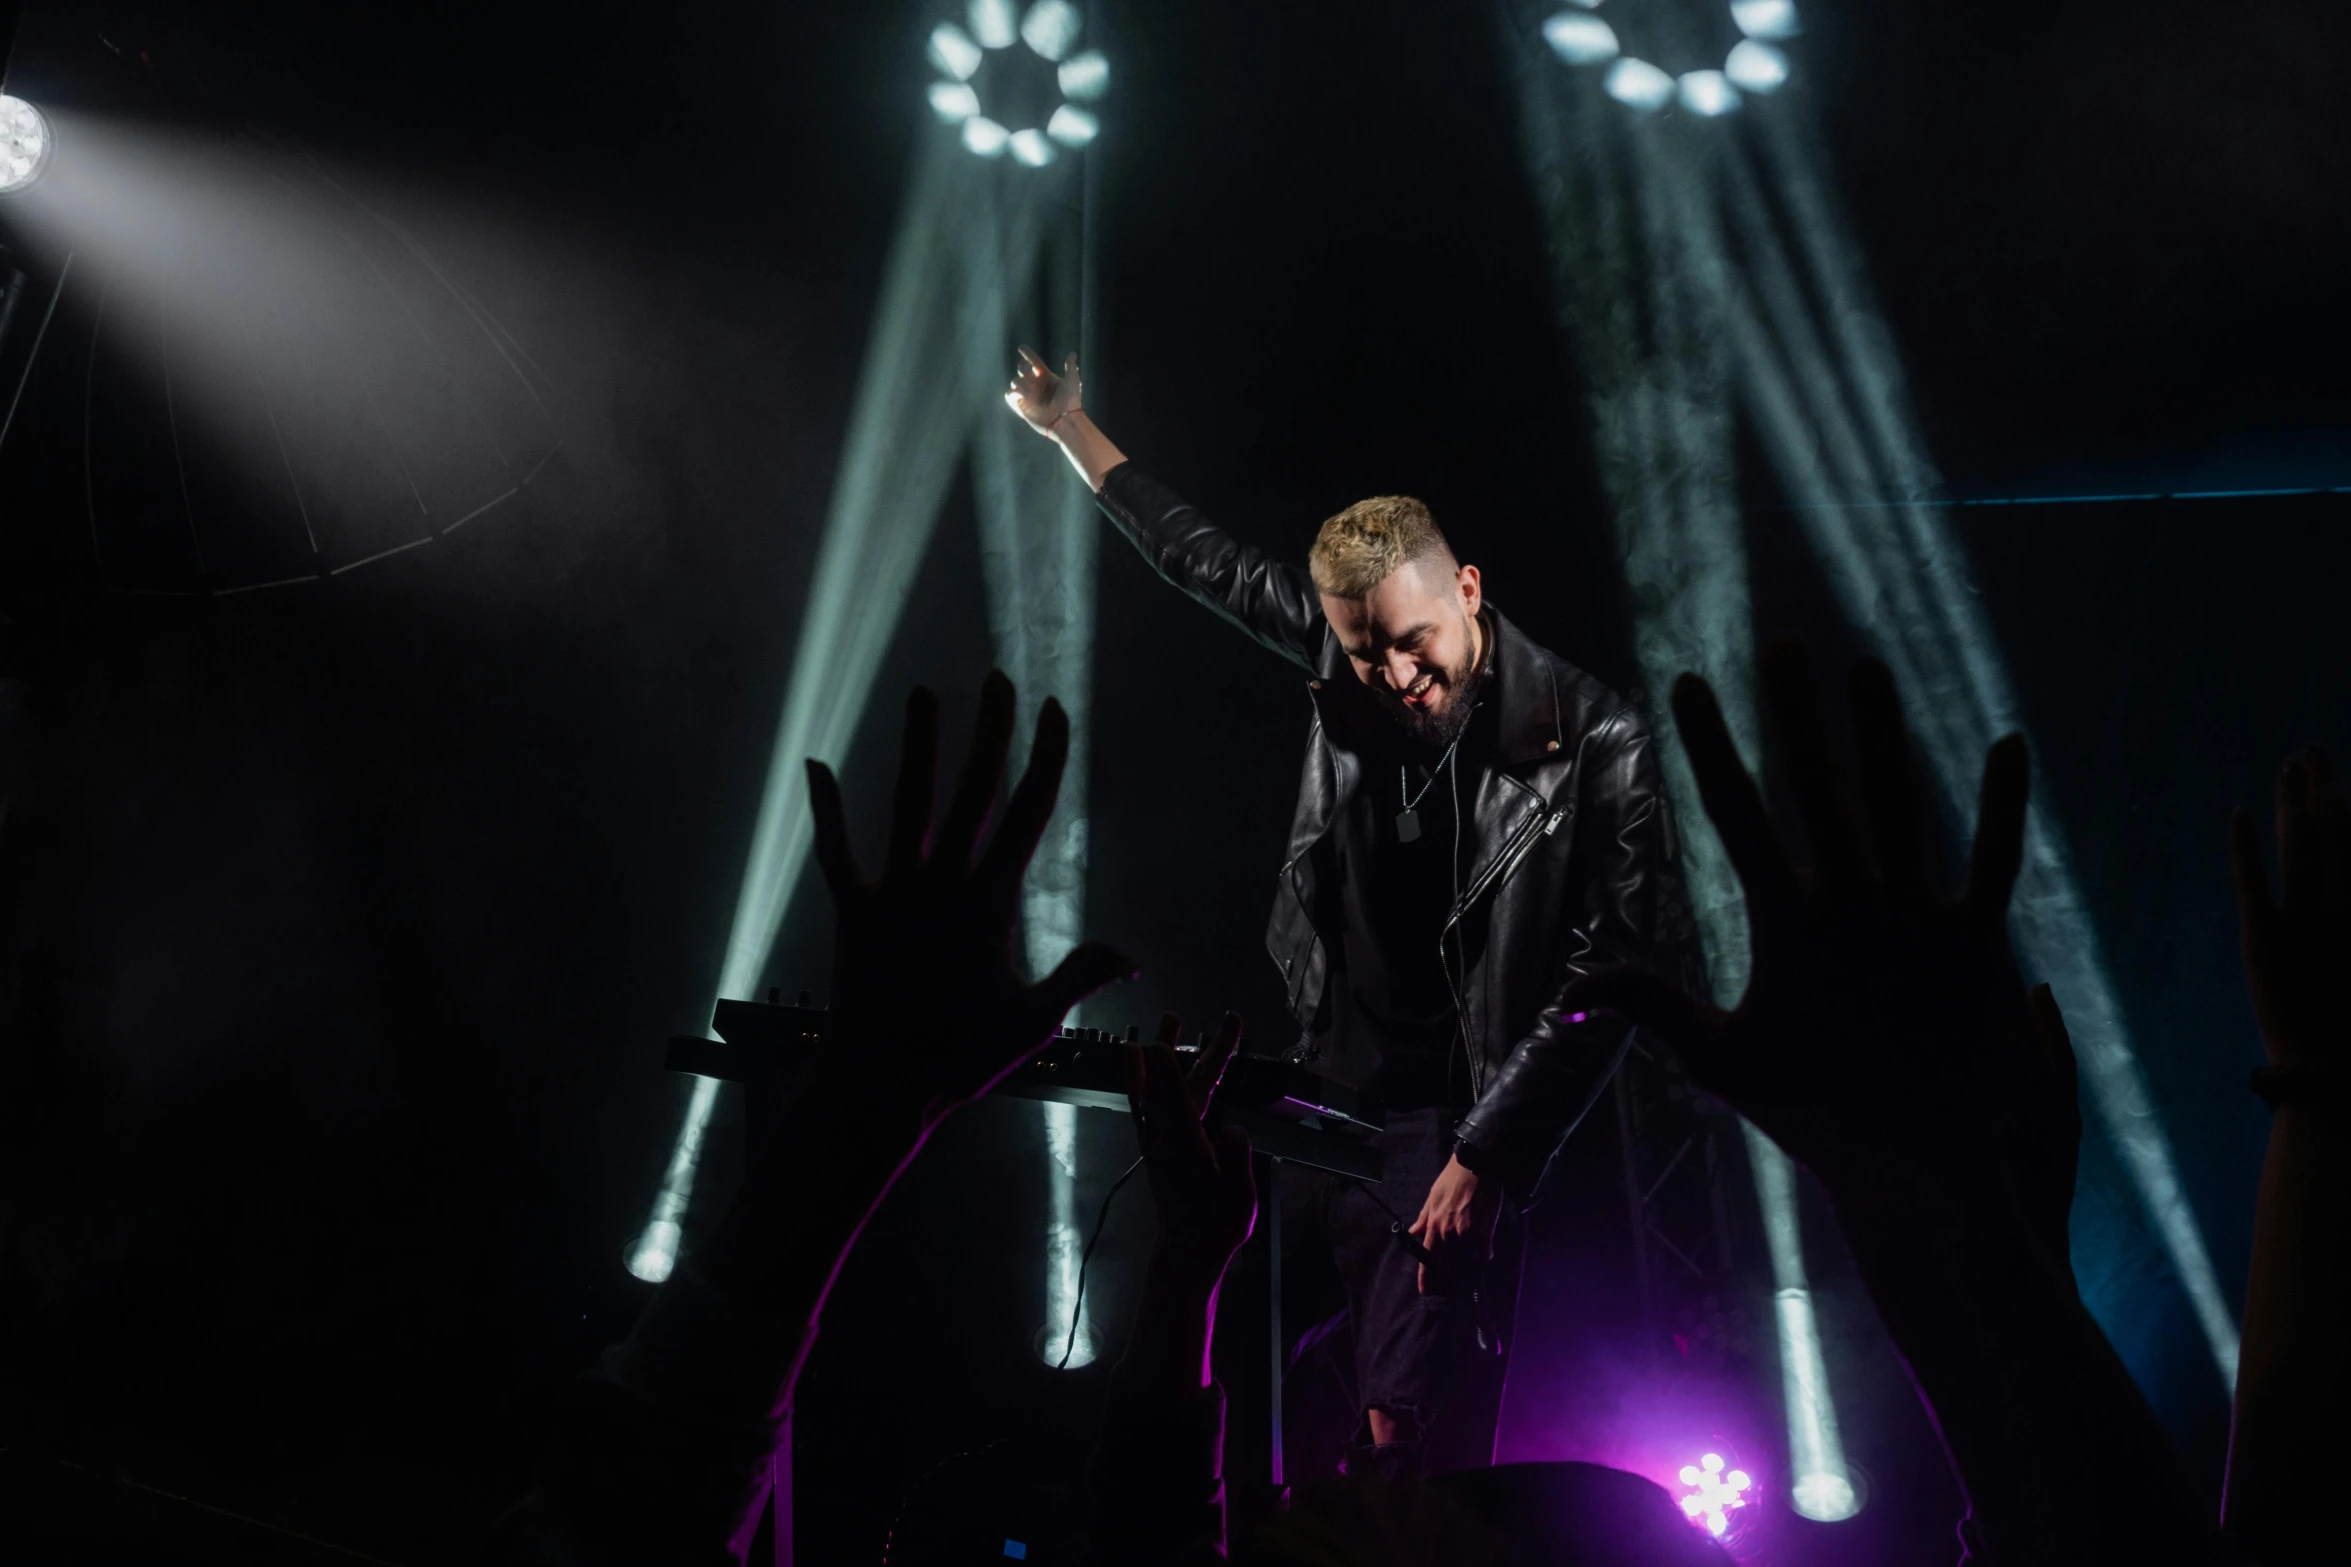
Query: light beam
{"type": "Point", "coordinates": [1748, 233]}
{"type": "Point", "coordinates": [965, 253]}
{"type": "Point", "coordinates": [1665, 439]}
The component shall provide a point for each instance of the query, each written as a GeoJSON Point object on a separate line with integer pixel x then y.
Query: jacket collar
{"type": "Point", "coordinates": [1533, 724]}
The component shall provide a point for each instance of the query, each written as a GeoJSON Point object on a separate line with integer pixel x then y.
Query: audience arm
{"type": "Point", "coordinates": [1887, 1043]}
{"type": "Point", "coordinates": [666, 1454]}
{"type": "Point", "coordinates": [1158, 1467]}
{"type": "Point", "coordinates": [2295, 1371]}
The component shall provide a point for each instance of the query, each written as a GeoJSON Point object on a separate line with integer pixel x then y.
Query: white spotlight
{"type": "Point", "coordinates": [1823, 1487]}
{"type": "Point", "coordinates": [1065, 1250]}
{"type": "Point", "coordinates": [954, 102]}
{"type": "Point", "coordinates": [656, 1253]}
{"type": "Point", "coordinates": [953, 52]}
{"type": "Point", "coordinates": [1050, 27]}
{"type": "Point", "coordinates": [1707, 93]}
{"type": "Point", "coordinates": [993, 23]}
{"type": "Point", "coordinates": [25, 143]}
{"type": "Point", "coordinates": [1755, 67]}
{"type": "Point", "coordinates": [984, 136]}
{"type": "Point", "coordinates": [1638, 83]}
{"type": "Point", "coordinates": [1072, 126]}
{"type": "Point", "coordinates": [1825, 1498]}
{"type": "Point", "coordinates": [1766, 18]}
{"type": "Point", "coordinates": [1580, 39]}
{"type": "Point", "coordinates": [1085, 75]}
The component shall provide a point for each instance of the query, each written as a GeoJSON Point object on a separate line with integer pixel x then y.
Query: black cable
{"type": "Point", "coordinates": [1077, 1309]}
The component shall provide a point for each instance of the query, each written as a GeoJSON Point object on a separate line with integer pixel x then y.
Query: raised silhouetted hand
{"type": "Point", "coordinates": [924, 987]}
{"type": "Point", "coordinates": [1885, 1040]}
{"type": "Point", "coordinates": [2295, 1372]}
{"type": "Point", "coordinates": [928, 1013]}
{"type": "Point", "coordinates": [2298, 947]}
{"type": "Point", "coordinates": [1201, 1185]}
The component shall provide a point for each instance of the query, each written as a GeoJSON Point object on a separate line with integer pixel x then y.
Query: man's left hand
{"type": "Point", "coordinates": [1457, 1220]}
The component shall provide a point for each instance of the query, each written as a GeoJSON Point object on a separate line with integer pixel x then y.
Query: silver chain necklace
{"type": "Point", "coordinates": [1408, 819]}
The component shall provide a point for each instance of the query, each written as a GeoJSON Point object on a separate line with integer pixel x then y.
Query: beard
{"type": "Point", "coordinates": [1441, 728]}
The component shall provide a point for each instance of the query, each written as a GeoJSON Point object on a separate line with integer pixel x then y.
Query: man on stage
{"type": "Point", "coordinates": [1478, 824]}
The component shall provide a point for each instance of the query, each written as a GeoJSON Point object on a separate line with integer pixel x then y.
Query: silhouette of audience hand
{"type": "Point", "coordinates": [667, 1454]}
{"type": "Point", "coordinates": [928, 1010]}
{"type": "Point", "coordinates": [2294, 1372]}
{"type": "Point", "coordinates": [2298, 947]}
{"type": "Point", "coordinates": [925, 992]}
{"type": "Point", "coordinates": [1158, 1472]}
{"type": "Point", "coordinates": [1886, 1040]}
{"type": "Point", "coordinates": [1201, 1185]}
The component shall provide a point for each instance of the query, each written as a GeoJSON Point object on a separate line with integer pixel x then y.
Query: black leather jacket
{"type": "Point", "coordinates": [1566, 839]}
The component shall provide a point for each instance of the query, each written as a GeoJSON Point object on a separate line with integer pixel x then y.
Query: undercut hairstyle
{"type": "Point", "coordinates": [1367, 543]}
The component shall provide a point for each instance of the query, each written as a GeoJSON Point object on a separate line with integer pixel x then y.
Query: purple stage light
{"type": "Point", "coordinates": [1715, 1493]}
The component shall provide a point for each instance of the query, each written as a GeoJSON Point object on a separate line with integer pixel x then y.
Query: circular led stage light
{"type": "Point", "coordinates": [1714, 1493]}
{"type": "Point", "coordinates": [25, 143]}
{"type": "Point", "coordinates": [1755, 65]}
{"type": "Point", "coordinates": [1046, 33]}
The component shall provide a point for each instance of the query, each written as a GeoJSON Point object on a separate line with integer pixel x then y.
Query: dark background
{"type": "Point", "coordinates": [345, 923]}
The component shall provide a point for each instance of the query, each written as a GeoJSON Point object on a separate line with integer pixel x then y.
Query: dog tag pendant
{"type": "Point", "coordinates": [1408, 827]}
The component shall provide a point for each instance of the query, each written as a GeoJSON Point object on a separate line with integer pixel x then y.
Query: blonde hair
{"type": "Point", "coordinates": [1364, 545]}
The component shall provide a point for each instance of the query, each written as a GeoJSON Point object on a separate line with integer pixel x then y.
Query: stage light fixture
{"type": "Point", "coordinates": [994, 23]}
{"type": "Point", "coordinates": [1073, 126]}
{"type": "Point", "coordinates": [953, 51]}
{"type": "Point", "coordinates": [1707, 93]}
{"type": "Point", "coordinates": [1639, 84]}
{"type": "Point", "coordinates": [25, 144]}
{"type": "Point", "coordinates": [1050, 28]}
{"type": "Point", "coordinates": [1755, 67]}
{"type": "Point", "coordinates": [1032, 147]}
{"type": "Point", "coordinates": [1715, 1493]}
{"type": "Point", "coordinates": [1085, 77]}
{"type": "Point", "coordinates": [1766, 18]}
{"type": "Point", "coordinates": [1580, 38]}
{"type": "Point", "coordinates": [984, 136]}
{"type": "Point", "coordinates": [954, 102]}
{"type": "Point", "coordinates": [1047, 31]}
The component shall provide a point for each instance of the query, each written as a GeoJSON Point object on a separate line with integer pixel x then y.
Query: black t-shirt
{"type": "Point", "coordinates": [1393, 1009]}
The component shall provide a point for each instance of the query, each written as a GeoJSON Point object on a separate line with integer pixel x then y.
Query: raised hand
{"type": "Point", "coordinates": [2295, 1372]}
{"type": "Point", "coordinates": [924, 988]}
{"type": "Point", "coordinates": [2298, 948]}
{"type": "Point", "coordinates": [1885, 1040]}
{"type": "Point", "coordinates": [1043, 398]}
{"type": "Point", "coordinates": [1202, 1186]}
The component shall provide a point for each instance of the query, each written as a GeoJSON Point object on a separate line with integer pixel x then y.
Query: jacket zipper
{"type": "Point", "coordinates": [1504, 864]}
{"type": "Point", "coordinates": [1292, 981]}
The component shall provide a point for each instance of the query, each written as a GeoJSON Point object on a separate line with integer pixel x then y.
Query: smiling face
{"type": "Point", "coordinates": [1414, 639]}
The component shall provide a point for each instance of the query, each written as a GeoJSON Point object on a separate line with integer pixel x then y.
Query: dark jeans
{"type": "Point", "coordinates": [1439, 1359]}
